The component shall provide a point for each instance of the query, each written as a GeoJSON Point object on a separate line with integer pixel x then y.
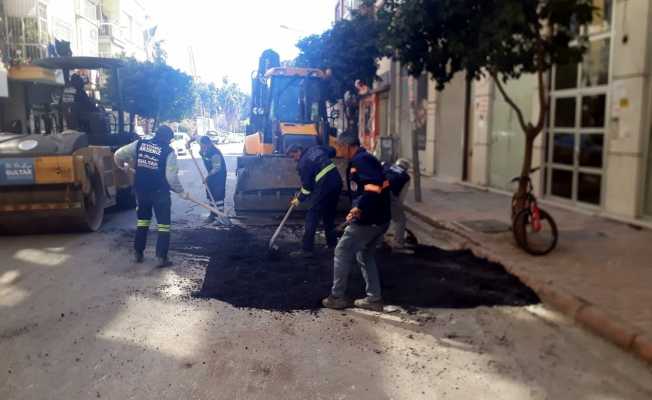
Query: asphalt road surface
{"type": "Point", "coordinates": [79, 320]}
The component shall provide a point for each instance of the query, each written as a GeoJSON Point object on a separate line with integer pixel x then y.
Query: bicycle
{"type": "Point", "coordinates": [535, 231]}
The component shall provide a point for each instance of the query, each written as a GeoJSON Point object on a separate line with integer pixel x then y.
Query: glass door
{"type": "Point", "coordinates": [575, 151]}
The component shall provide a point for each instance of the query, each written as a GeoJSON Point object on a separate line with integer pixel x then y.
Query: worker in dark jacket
{"type": "Point", "coordinates": [156, 175]}
{"type": "Point", "coordinates": [77, 105]}
{"type": "Point", "coordinates": [216, 169]}
{"type": "Point", "coordinates": [399, 181]}
{"type": "Point", "coordinates": [321, 185]}
{"type": "Point", "coordinates": [368, 221]}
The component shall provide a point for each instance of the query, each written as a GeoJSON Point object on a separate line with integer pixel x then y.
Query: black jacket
{"type": "Point", "coordinates": [369, 188]}
{"type": "Point", "coordinates": [318, 173]}
{"type": "Point", "coordinates": [397, 178]}
{"type": "Point", "coordinates": [216, 180]}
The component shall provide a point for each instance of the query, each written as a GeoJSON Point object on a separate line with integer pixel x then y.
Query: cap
{"type": "Point", "coordinates": [293, 149]}
{"type": "Point", "coordinates": [350, 139]}
{"type": "Point", "coordinates": [403, 164]}
{"type": "Point", "coordinates": [164, 133]}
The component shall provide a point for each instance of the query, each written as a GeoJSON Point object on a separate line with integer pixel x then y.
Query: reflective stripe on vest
{"type": "Point", "coordinates": [324, 171]}
{"type": "Point", "coordinates": [305, 191]}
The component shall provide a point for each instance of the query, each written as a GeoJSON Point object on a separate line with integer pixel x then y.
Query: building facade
{"type": "Point", "coordinates": [92, 27]}
{"type": "Point", "coordinates": [124, 29]}
{"type": "Point", "coordinates": [596, 151]}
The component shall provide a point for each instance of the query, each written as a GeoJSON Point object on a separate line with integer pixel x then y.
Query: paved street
{"type": "Point", "coordinates": [79, 320]}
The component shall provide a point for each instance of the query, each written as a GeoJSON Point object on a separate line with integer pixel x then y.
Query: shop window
{"type": "Point", "coordinates": [591, 150]}
{"type": "Point", "coordinates": [589, 188]}
{"type": "Point", "coordinates": [602, 16]}
{"type": "Point", "coordinates": [595, 65]}
{"type": "Point", "coordinates": [562, 183]}
{"type": "Point", "coordinates": [593, 111]}
{"type": "Point", "coordinates": [563, 148]}
{"type": "Point", "coordinates": [565, 112]}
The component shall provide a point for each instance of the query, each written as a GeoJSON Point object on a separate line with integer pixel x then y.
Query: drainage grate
{"type": "Point", "coordinates": [486, 225]}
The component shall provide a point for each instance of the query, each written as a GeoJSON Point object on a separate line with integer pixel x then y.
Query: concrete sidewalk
{"type": "Point", "coordinates": [600, 274]}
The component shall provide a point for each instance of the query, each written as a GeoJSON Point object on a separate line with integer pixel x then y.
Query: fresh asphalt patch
{"type": "Point", "coordinates": [241, 273]}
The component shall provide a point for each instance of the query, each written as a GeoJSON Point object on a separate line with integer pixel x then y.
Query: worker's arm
{"type": "Point", "coordinates": [126, 154]}
{"type": "Point", "coordinates": [216, 165]}
{"type": "Point", "coordinates": [368, 189]}
{"type": "Point", "coordinates": [172, 173]}
{"type": "Point", "coordinates": [307, 176]}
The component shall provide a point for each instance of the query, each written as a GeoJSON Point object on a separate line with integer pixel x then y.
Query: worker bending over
{"type": "Point", "coordinates": [321, 185]}
{"type": "Point", "coordinates": [216, 178]}
{"type": "Point", "coordinates": [156, 174]}
{"type": "Point", "coordinates": [368, 221]}
{"type": "Point", "coordinates": [398, 177]}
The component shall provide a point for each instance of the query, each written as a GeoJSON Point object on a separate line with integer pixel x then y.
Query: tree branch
{"type": "Point", "coordinates": [519, 113]}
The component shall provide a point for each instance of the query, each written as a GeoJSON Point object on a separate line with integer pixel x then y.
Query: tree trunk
{"type": "Point", "coordinates": [519, 199]}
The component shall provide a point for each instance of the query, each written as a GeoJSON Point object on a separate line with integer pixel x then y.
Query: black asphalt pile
{"type": "Point", "coordinates": [241, 273]}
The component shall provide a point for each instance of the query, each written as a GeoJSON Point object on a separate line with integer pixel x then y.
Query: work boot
{"type": "Point", "coordinates": [210, 218]}
{"type": "Point", "coordinates": [139, 257]}
{"type": "Point", "coordinates": [336, 303]}
{"type": "Point", "coordinates": [162, 262]}
{"type": "Point", "coordinates": [368, 303]}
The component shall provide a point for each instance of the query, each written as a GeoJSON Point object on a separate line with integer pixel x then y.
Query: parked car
{"type": "Point", "coordinates": [180, 142]}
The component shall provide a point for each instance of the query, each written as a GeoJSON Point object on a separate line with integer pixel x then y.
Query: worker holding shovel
{"type": "Point", "coordinates": [216, 178]}
{"type": "Point", "coordinates": [321, 186]}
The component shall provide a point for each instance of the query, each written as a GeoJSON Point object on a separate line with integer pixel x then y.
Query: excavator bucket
{"type": "Point", "coordinates": [267, 183]}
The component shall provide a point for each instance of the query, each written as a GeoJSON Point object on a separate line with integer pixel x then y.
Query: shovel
{"type": "Point", "coordinates": [273, 249]}
{"type": "Point", "coordinates": [208, 207]}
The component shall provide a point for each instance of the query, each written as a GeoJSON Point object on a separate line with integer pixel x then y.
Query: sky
{"type": "Point", "coordinates": [228, 36]}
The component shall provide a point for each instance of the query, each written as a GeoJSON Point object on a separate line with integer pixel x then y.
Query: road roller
{"type": "Point", "coordinates": [56, 154]}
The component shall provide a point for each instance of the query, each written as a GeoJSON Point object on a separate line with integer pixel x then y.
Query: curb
{"type": "Point", "coordinates": [579, 310]}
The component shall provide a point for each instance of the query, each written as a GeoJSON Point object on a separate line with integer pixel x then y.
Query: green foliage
{"type": "Point", "coordinates": [506, 37]}
{"type": "Point", "coordinates": [154, 90]}
{"type": "Point", "coordinates": [349, 50]}
{"type": "Point", "coordinates": [227, 101]}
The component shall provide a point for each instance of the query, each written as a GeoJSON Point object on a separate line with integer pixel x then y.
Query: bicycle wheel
{"type": "Point", "coordinates": [536, 242]}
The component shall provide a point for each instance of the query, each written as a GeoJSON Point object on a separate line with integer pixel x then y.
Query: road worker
{"type": "Point", "coordinates": [368, 221]}
{"type": "Point", "coordinates": [321, 186]}
{"type": "Point", "coordinates": [216, 178]}
{"type": "Point", "coordinates": [398, 177]}
{"type": "Point", "coordinates": [156, 175]}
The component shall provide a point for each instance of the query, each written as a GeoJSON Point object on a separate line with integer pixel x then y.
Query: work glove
{"type": "Point", "coordinates": [295, 201]}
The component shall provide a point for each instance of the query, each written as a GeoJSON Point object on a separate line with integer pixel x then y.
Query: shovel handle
{"type": "Point", "coordinates": [203, 178]}
{"type": "Point", "coordinates": [206, 206]}
{"type": "Point", "coordinates": [280, 226]}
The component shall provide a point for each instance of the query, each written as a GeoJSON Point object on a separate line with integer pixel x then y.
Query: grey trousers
{"type": "Point", "coordinates": [398, 217]}
{"type": "Point", "coordinates": [358, 244]}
